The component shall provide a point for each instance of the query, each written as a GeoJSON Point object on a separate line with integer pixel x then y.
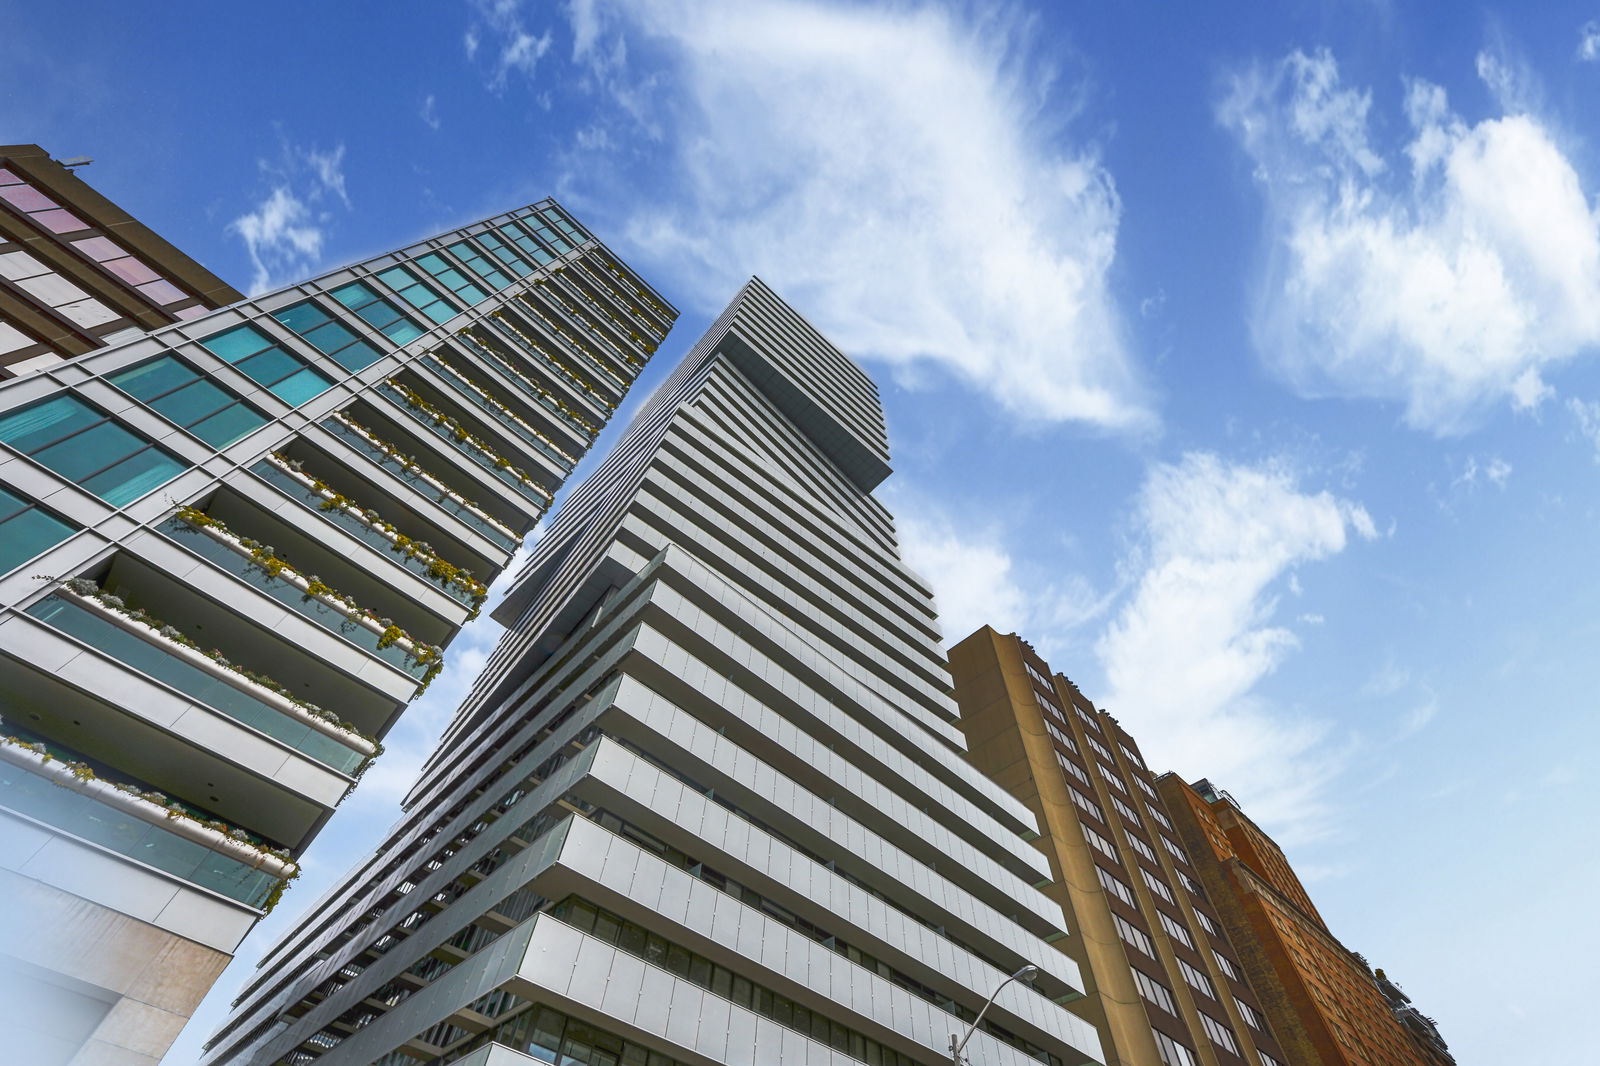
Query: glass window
{"type": "Point", "coordinates": [419, 295]}
{"type": "Point", "coordinates": [503, 252]}
{"type": "Point", "coordinates": [520, 237]}
{"type": "Point", "coordinates": [1133, 935]}
{"type": "Point", "coordinates": [1115, 886]}
{"type": "Point", "coordinates": [85, 446]}
{"type": "Point", "coordinates": [1219, 1033]}
{"type": "Point", "coordinates": [259, 358]}
{"type": "Point", "coordinates": [1156, 884]}
{"type": "Point", "coordinates": [1154, 991]}
{"type": "Point", "coordinates": [1172, 1053]}
{"type": "Point", "coordinates": [377, 312]}
{"type": "Point", "coordinates": [1174, 929]}
{"type": "Point", "coordinates": [175, 390]}
{"type": "Point", "coordinates": [451, 278]}
{"type": "Point", "coordinates": [328, 336]}
{"type": "Point", "coordinates": [479, 264]}
{"type": "Point", "coordinates": [1196, 980]}
{"type": "Point", "coordinates": [26, 530]}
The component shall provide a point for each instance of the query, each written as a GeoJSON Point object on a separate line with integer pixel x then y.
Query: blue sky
{"type": "Point", "coordinates": [1241, 355]}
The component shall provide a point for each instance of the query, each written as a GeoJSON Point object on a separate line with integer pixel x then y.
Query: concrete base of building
{"type": "Point", "coordinates": [84, 985]}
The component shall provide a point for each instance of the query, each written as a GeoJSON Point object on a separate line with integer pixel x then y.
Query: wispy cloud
{"type": "Point", "coordinates": [429, 113]}
{"type": "Point", "coordinates": [513, 48]}
{"type": "Point", "coordinates": [928, 213]}
{"type": "Point", "coordinates": [1183, 656]}
{"type": "Point", "coordinates": [1450, 279]}
{"type": "Point", "coordinates": [285, 231]}
{"type": "Point", "coordinates": [1589, 41]}
{"type": "Point", "coordinates": [1586, 413]}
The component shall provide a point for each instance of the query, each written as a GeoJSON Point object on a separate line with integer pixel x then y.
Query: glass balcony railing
{"type": "Point", "coordinates": [472, 452]}
{"type": "Point", "coordinates": [330, 618]}
{"type": "Point", "coordinates": [355, 527]}
{"type": "Point", "coordinates": [156, 662]}
{"type": "Point", "coordinates": [528, 387]}
{"type": "Point", "coordinates": [518, 429]}
{"type": "Point", "coordinates": [420, 483]}
{"type": "Point", "coordinates": [154, 845]}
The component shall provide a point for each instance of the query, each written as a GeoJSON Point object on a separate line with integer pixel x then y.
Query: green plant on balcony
{"type": "Point", "coordinates": [462, 436]}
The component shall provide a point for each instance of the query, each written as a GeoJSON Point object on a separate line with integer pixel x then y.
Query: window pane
{"type": "Point", "coordinates": [59, 221]}
{"type": "Point", "coordinates": [329, 337]}
{"type": "Point", "coordinates": [227, 426]}
{"type": "Point", "coordinates": [301, 387]}
{"type": "Point", "coordinates": [99, 248]}
{"type": "Point", "coordinates": [402, 333]}
{"type": "Point", "coordinates": [132, 478]}
{"type": "Point", "coordinates": [84, 453]}
{"type": "Point", "coordinates": [357, 356]}
{"type": "Point", "coordinates": [193, 402]}
{"type": "Point", "coordinates": [270, 366]}
{"type": "Point", "coordinates": [130, 270]}
{"type": "Point", "coordinates": [24, 535]}
{"type": "Point", "coordinates": [155, 378]}
{"type": "Point", "coordinates": [236, 343]}
{"type": "Point", "coordinates": [301, 317]}
{"type": "Point", "coordinates": [162, 292]}
{"type": "Point", "coordinates": [34, 427]}
{"type": "Point", "coordinates": [27, 198]}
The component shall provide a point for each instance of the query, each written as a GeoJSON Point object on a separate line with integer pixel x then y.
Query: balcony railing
{"type": "Point", "coordinates": [466, 387]}
{"type": "Point", "coordinates": [447, 429]}
{"type": "Point", "coordinates": [411, 473]}
{"type": "Point", "coordinates": [286, 591]}
{"type": "Point", "coordinates": [33, 788]}
{"type": "Point", "coordinates": [164, 664]}
{"type": "Point", "coordinates": [527, 385]}
{"type": "Point", "coordinates": [298, 488]}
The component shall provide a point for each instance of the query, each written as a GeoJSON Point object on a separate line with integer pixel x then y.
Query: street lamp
{"type": "Point", "coordinates": [1027, 973]}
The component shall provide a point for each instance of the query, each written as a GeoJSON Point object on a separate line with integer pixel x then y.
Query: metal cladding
{"type": "Point", "coordinates": [707, 802]}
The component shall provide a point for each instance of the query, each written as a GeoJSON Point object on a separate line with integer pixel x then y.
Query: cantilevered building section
{"type": "Point", "coordinates": [707, 803]}
{"type": "Point", "coordinates": [231, 550]}
{"type": "Point", "coordinates": [78, 272]}
{"type": "Point", "coordinates": [1164, 982]}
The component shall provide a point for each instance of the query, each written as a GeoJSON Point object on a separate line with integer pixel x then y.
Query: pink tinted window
{"type": "Point", "coordinates": [191, 312]}
{"type": "Point", "coordinates": [8, 178]}
{"type": "Point", "coordinates": [163, 292]}
{"type": "Point", "coordinates": [27, 197]}
{"type": "Point", "coordinates": [59, 221]}
{"type": "Point", "coordinates": [131, 270]}
{"type": "Point", "coordinates": [99, 248]}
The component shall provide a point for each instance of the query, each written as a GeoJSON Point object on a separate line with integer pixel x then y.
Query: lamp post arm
{"type": "Point", "coordinates": [955, 1048]}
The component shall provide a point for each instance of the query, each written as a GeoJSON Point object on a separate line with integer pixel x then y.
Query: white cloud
{"type": "Point", "coordinates": [515, 49]}
{"type": "Point", "coordinates": [1184, 654]}
{"type": "Point", "coordinates": [1495, 470]}
{"type": "Point", "coordinates": [899, 173]}
{"type": "Point", "coordinates": [1589, 42]}
{"type": "Point", "coordinates": [429, 113]}
{"type": "Point", "coordinates": [285, 231]}
{"type": "Point", "coordinates": [1587, 415]}
{"type": "Point", "coordinates": [1450, 279]}
{"type": "Point", "coordinates": [971, 575]}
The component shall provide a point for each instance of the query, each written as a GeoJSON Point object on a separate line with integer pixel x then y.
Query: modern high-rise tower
{"type": "Point", "coordinates": [1164, 982]}
{"type": "Point", "coordinates": [78, 272]}
{"type": "Point", "coordinates": [707, 803]}
{"type": "Point", "coordinates": [231, 550]}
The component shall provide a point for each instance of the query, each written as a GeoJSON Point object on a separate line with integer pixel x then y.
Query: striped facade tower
{"type": "Point", "coordinates": [232, 548]}
{"type": "Point", "coordinates": [707, 804]}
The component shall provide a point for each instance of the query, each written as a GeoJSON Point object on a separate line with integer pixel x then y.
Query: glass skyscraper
{"type": "Point", "coordinates": [707, 802]}
{"type": "Point", "coordinates": [232, 548]}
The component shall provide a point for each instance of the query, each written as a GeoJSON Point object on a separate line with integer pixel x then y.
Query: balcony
{"type": "Point", "coordinates": [527, 385]}
{"type": "Point", "coordinates": [371, 530]}
{"type": "Point", "coordinates": [544, 353]}
{"type": "Point", "coordinates": [142, 646]}
{"type": "Point", "coordinates": [68, 797]}
{"type": "Point", "coordinates": [407, 470]}
{"type": "Point", "coordinates": [498, 411]}
{"type": "Point", "coordinates": [475, 450]}
{"type": "Point", "coordinates": [256, 566]}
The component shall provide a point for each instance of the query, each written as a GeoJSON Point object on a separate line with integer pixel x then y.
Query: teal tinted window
{"type": "Point", "coordinates": [377, 312]}
{"type": "Point", "coordinates": [504, 252]}
{"type": "Point", "coordinates": [328, 336]}
{"type": "Point", "coordinates": [175, 390]}
{"type": "Point", "coordinates": [556, 218]}
{"type": "Point", "coordinates": [85, 446]}
{"type": "Point", "coordinates": [419, 295]}
{"type": "Point", "coordinates": [522, 239]}
{"type": "Point", "coordinates": [259, 358]}
{"type": "Point", "coordinates": [479, 264]}
{"type": "Point", "coordinates": [26, 531]}
{"type": "Point", "coordinates": [546, 234]}
{"type": "Point", "coordinates": [447, 275]}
